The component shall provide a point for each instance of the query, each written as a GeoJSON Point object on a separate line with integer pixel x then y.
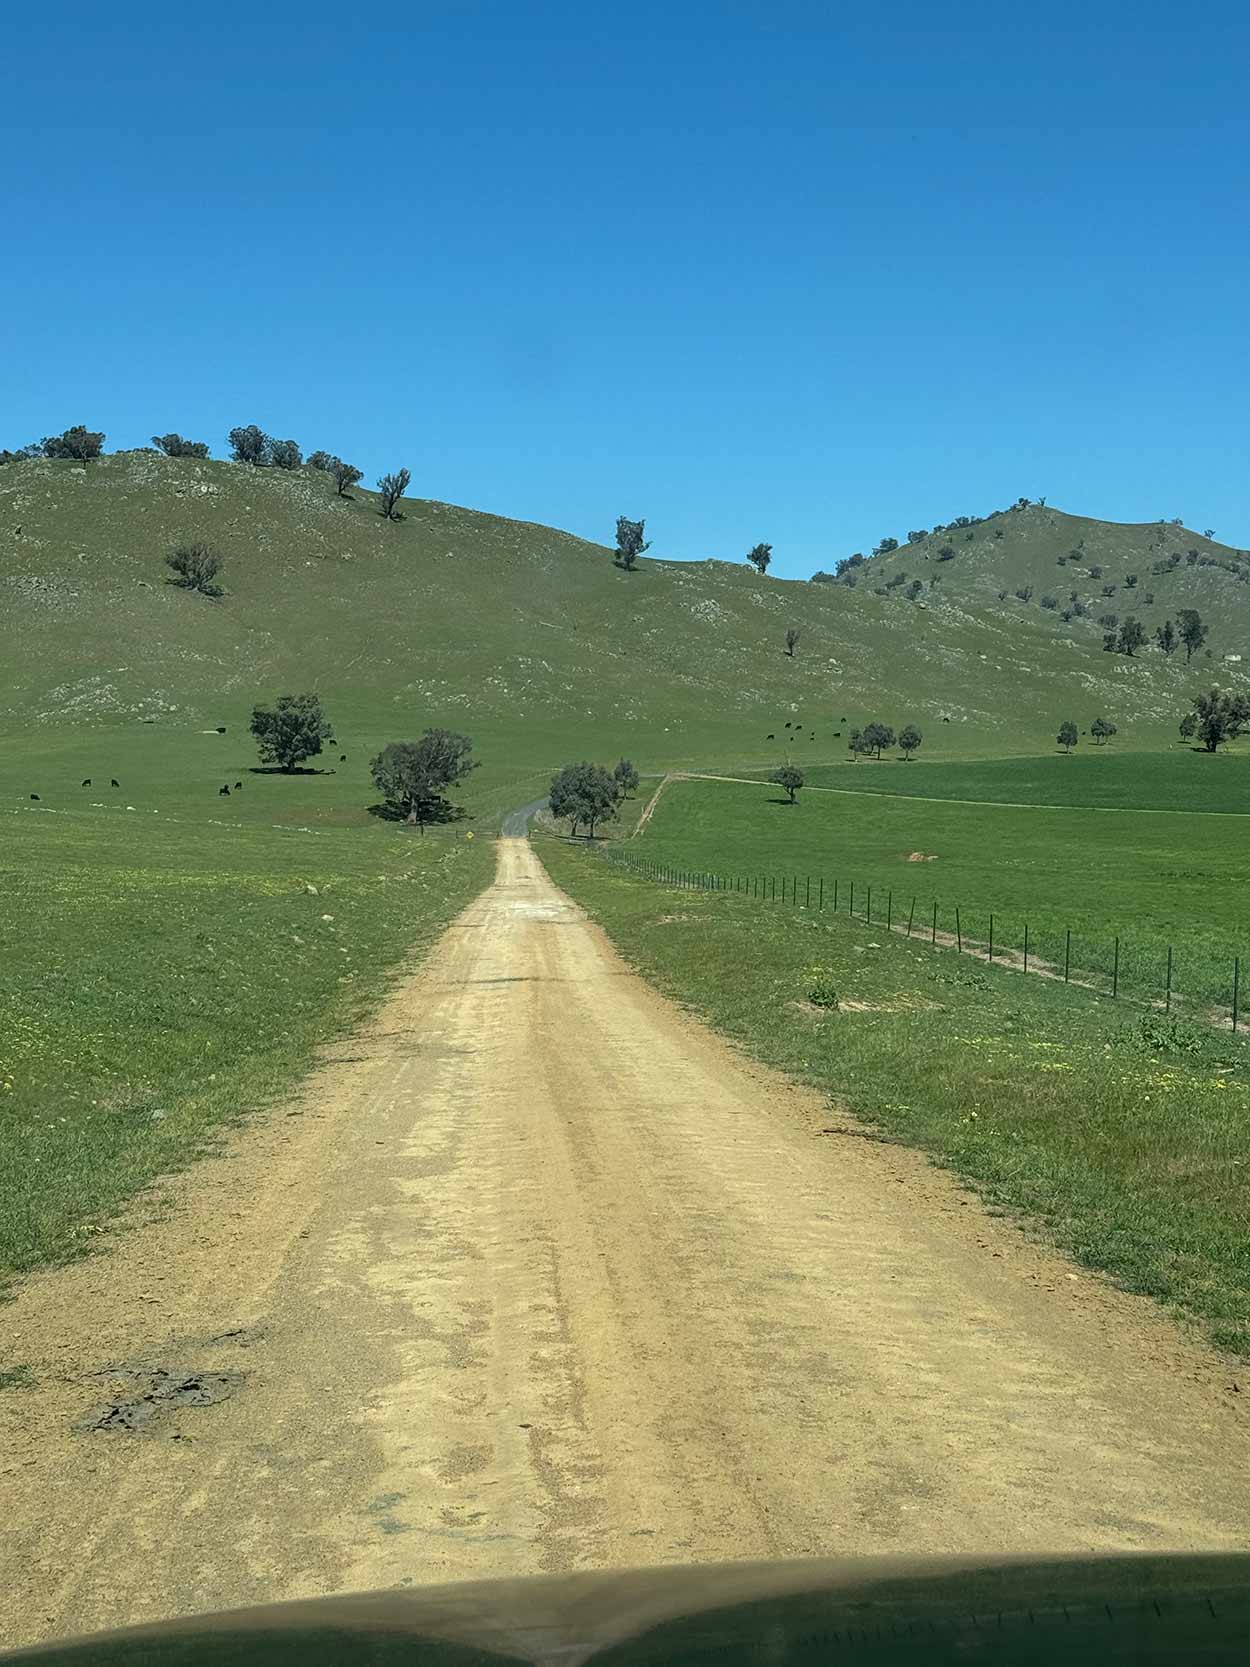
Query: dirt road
{"type": "Point", "coordinates": [538, 1275]}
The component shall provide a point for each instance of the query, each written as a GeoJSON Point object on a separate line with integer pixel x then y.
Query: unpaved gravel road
{"type": "Point", "coordinates": [539, 1275]}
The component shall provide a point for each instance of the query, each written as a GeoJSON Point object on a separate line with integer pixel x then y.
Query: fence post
{"type": "Point", "coordinates": [1167, 1000]}
{"type": "Point", "coordinates": [1236, 988]}
{"type": "Point", "coordinates": [990, 956]}
{"type": "Point", "coordinates": [911, 916]}
{"type": "Point", "coordinates": [868, 915]}
{"type": "Point", "coordinates": [1067, 954]}
{"type": "Point", "coordinates": [889, 910]}
{"type": "Point", "coordinates": [851, 908]}
{"type": "Point", "coordinates": [959, 936]}
{"type": "Point", "coordinates": [935, 922]}
{"type": "Point", "coordinates": [835, 896]}
{"type": "Point", "coordinates": [821, 903]}
{"type": "Point", "coordinates": [1026, 946]}
{"type": "Point", "coordinates": [1115, 971]}
{"type": "Point", "coordinates": [808, 902]}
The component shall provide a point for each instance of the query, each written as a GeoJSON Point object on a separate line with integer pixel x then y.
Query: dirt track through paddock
{"type": "Point", "coordinates": [539, 1275]}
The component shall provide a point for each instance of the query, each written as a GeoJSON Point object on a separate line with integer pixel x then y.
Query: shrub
{"type": "Point", "coordinates": [249, 445]}
{"type": "Point", "coordinates": [77, 444]}
{"type": "Point", "coordinates": [173, 445]}
{"type": "Point", "coordinates": [285, 454]}
{"type": "Point", "coordinates": [821, 990]}
{"type": "Point", "coordinates": [630, 543]}
{"type": "Point", "coordinates": [391, 489]}
{"type": "Point", "coordinates": [788, 776]}
{"type": "Point", "coordinates": [196, 566]}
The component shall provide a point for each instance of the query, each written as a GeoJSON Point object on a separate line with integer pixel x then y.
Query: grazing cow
{"type": "Point", "coordinates": [770, 737]}
{"type": "Point", "coordinates": [87, 783]}
{"type": "Point", "coordinates": [945, 720]}
{"type": "Point", "coordinates": [221, 729]}
{"type": "Point", "coordinates": [114, 782]}
{"type": "Point", "coordinates": [238, 786]}
{"type": "Point", "coordinates": [35, 797]}
{"type": "Point", "coordinates": [223, 792]}
{"type": "Point", "coordinates": [342, 758]}
{"type": "Point", "coordinates": [837, 734]}
{"type": "Point", "coordinates": [787, 723]}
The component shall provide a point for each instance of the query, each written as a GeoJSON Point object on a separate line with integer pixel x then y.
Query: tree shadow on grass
{"type": "Point", "coordinates": [277, 770]}
{"type": "Point", "coordinates": [440, 812]}
{"type": "Point", "coordinates": [789, 804]}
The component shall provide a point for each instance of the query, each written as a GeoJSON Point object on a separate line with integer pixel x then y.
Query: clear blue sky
{"type": "Point", "coordinates": [761, 269]}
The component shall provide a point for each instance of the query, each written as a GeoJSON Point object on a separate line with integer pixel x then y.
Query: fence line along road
{"type": "Point", "coordinates": [839, 896]}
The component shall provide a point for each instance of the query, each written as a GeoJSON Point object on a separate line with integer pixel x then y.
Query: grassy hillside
{"type": "Point", "coordinates": [1146, 570]}
{"type": "Point", "coordinates": [533, 639]}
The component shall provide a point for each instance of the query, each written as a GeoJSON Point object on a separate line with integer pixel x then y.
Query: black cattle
{"type": "Point", "coordinates": [837, 734]}
{"type": "Point", "coordinates": [945, 720]}
{"type": "Point", "coordinates": [223, 792]}
{"type": "Point", "coordinates": [221, 729]}
{"type": "Point", "coordinates": [35, 797]}
{"type": "Point", "coordinates": [114, 782]}
{"type": "Point", "coordinates": [342, 758]}
{"type": "Point", "coordinates": [238, 786]}
{"type": "Point", "coordinates": [87, 783]}
{"type": "Point", "coordinates": [770, 737]}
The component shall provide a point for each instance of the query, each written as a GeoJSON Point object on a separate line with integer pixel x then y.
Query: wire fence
{"type": "Point", "coordinates": [1116, 967]}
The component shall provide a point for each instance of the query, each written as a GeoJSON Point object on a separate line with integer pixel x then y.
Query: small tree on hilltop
{"type": "Point", "coordinates": [1165, 636]}
{"type": "Point", "coordinates": [78, 445]}
{"type": "Point", "coordinates": [877, 736]}
{"type": "Point", "coordinates": [391, 489]}
{"type": "Point", "coordinates": [324, 460]}
{"type": "Point", "coordinates": [1067, 736]}
{"type": "Point", "coordinates": [1102, 729]}
{"type": "Point", "coordinates": [886, 547]}
{"type": "Point", "coordinates": [909, 738]}
{"type": "Point", "coordinates": [196, 566]}
{"type": "Point", "coordinates": [583, 792]}
{"type": "Point", "coordinates": [760, 556]}
{"type": "Point", "coordinates": [291, 730]}
{"type": "Point", "coordinates": [344, 475]}
{"type": "Point", "coordinates": [249, 444]}
{"type": "Point", "coordinates": [1193, 631]}
{"type": "Point", "coordinates": [1217, 717]}
{"type": "Point", "coordinates": [630, 542]}
{"type": "Point", "coordinates": [285, 454]}
{"type": "Point", "coordinates": [626, 778]}
{"type": "Point", "coordinates": [412, 775]}
{"type": "Point", "coordinates": [790, 777]}
{"type": "Point", "coordinates": [173, 445]}
{"type": "Point", "coordinates": [792, 640]}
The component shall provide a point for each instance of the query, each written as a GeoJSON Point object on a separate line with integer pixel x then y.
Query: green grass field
{"type": "Point", "coordinates": [1099, 778]}
{"type": "Point", "coordinates": [1117, 1134]}
{"type": "Point", "coordinates": [1152, 878]}
{"type": "Point", "coordinates": [162, 977]}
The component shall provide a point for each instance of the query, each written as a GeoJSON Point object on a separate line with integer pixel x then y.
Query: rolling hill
{"type": "Point", "coordinates": [536, 641]}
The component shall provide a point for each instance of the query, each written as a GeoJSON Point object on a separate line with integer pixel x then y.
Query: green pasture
{"type": "Point", "coordinates": [162, 974]}
{"type": "Point", "coordinates": [1150, 878]}
{"type": "Point", "coordinates": [1117, 1133]}
{"type": "Point", "coordinates": [1090, 778]}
